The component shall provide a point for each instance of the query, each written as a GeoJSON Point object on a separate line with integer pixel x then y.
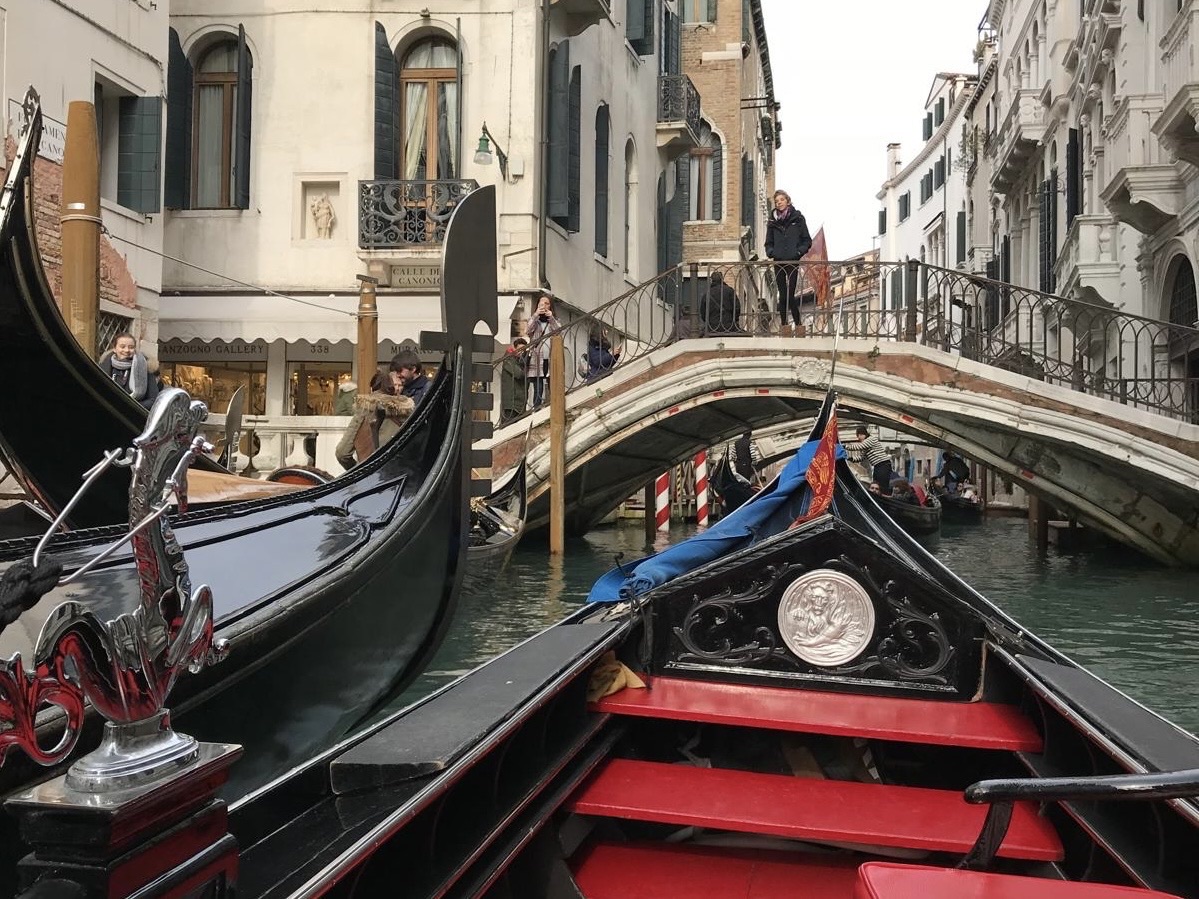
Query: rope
{"type": "Point", "coordinates": [23, 585]}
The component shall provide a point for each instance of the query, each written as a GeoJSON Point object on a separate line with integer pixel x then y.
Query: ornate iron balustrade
{"type": "Point", "coordinates": [1090, 348]}
{"type": "Point", "coordinates": [678, 101]}
{"type": "Point", "coordinates": [407, 213]}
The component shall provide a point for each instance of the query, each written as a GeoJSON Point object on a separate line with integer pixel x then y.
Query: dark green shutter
{"type": "Point", "coordinates": [717, 179]}
{"type": "Point", "coordinates": [710, 14]}
{"type": "Point", "coordinates": [939, 172]}
{"type": "Point", "coordinates": [1043, 252]}
{"type": "Point", "coordinates": [575, 148]}
{"type": "Point", "coordinates": [179, 126]}
{"type": "Point", "coordinates": [928, 126]}
{"type": "Point", "coordinates": [241, 155]}
{"type": "Point", "coordinates": [139, 137]}
{"type": "Point", "coordinates": [961, 223]}
{"type": "Point", "coordinates": [1053, 182]}
{"type": "Point", "coordinates": [882, 221]}
{"type": "Point", "coordinates": [663, 223]}
{"type": "Point", "coordinates": [1072, 177]}
{"type": "Point", "coordinates": [674, 44]}
{"type": "Point", "coordinates": [639, 25]}
{"type": "Point", "coordinates": [896, 288]}
{"type": "Point", "coordinates": [940, 117]}
{"type": "Point", "coordinates": [558, 163]}
{"type": "Point", "coordinates": [677, 212]}
{"type": "Point", "coordinates": [387, 109]}
{"type": "Point", "coordinates": [601, 180]}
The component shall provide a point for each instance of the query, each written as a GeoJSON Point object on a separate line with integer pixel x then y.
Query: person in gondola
{"type": "Point", "coordinates": [377, 419]}
{"type": "Point", "coordinates": [408, 376]}
{"type": "Point", "coordinates": [902, 490]}
{"type": "Point", "coordinates": [867, 449]}
{"type": "Point", "coordinates": [787, 240]}
{"type": "Point", "coordinates": [954, 471]}
{"type": "Point", "coordinates": [130, 369]}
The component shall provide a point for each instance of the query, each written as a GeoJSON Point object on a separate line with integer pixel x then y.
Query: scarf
{"type": "Point", "coordinates": [138, 374]}
{"type": "Point", "coordinates": [783, 213]}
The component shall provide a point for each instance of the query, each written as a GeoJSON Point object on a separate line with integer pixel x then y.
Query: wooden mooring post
{"type": "Point", "coordinates": [557, 445]}
{"type": "Point", "coordinates": [81, 225]}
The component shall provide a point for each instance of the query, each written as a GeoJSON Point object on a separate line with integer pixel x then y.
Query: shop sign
{"type": "Point", "coordinates": [320, 351]}
{"type": "Point", "coordinates": [417, 276]}
{"type": "Point", "coordinates": [212, 351]}
{"type": "Point", "coordinates": [54, 132]}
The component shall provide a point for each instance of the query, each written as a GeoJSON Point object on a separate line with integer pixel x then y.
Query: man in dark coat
{"type": "Point", "coordinates": [719, 308]}
{"type": "Point", "coordinates": [408, 376]}
{"type": "Point", "coordinates": [787, 239]}
{"type": "Point", "coordinates": [512, 380]}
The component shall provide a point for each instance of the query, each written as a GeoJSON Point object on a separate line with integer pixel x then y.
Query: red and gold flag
{"type": "Point", "coordinates": [822, 473]}
{"type": "Point", "coordinates": [819, 273]}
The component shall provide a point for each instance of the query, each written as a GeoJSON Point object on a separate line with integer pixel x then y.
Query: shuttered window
{"type": "Point", "coordinates": [177, 180]}
{"type": "Point", "coordinates": [558, 114]}
{"type": "Point", "coordinates": [387, 109]}
{"type": "Point", "coordinates": [138, 153]}
{"type": "Point", "coordinates": [928, 126]}
{"type": "Point", "coordinates": [939, 173]}
{"type": "Point", "coordinates": [939, 117]}
{"type": "Point", "coordinates": [882, 221]}
{"type": "Point", "coordinates": [748, 213]}
{"type": "Point", "coordinates": [699, 10]}
{"type": "Point", "coordinates": [221, 116]}
{"type": "Point", "coordinates": [575, 149]}
{"type": "Point", "coordinates": [705, 170]}
{"type": "Point", "coordinates": [905, 206]}
{"type": "Point", "coordinates": [639, 25]}
{"type": "Point", "coordinates": [1073, 177]}
{"type": "Point", "coordinates": [602, 129]}
{"type": "Point", "coordinates": [961, 232]}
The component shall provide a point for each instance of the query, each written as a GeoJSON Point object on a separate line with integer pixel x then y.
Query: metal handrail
{"type": "Point", "coordinates": [1088, 347]}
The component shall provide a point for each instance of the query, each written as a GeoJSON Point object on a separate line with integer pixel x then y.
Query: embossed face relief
{"type": "Point", "coordinates": [826, 618]}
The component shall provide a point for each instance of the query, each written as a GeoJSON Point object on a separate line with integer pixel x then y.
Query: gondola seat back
{"type": "Point", "coordinates": [882, 880]}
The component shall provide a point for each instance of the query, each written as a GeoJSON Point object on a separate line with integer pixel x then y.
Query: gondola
{"type": "Point", "coordinates": [919, 520]}
{"type": "Point", "coordinates": [497, 522]}
{"type": "Point", "coordinates": [830, 713]}
{"type": "Point", "coordinates": [330, 599]}
{"type": "Point", "coordinates": [961, 507]}
{"type": "Point", "coordinates": [67, 411]}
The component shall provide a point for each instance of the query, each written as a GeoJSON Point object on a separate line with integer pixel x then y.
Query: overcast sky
{"type": "Point", "coordinates": [852, 76]}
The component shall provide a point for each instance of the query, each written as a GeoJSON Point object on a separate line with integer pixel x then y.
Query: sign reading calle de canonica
{"type": "Point", "coordinates": [417, 276]}
{"type": "Point", "coordinates": [196, 350]}
{"type": "Point", "coordinates": [54, 132]}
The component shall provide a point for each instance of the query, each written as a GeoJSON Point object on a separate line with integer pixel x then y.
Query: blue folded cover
{"type": "Point", "coordinates": [767, 513]}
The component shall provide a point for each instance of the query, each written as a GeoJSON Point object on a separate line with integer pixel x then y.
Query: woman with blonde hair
{"type": "Point", "coordinates": [787, 240]}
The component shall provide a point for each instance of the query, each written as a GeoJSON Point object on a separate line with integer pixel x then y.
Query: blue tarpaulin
{"type": "Point", "coordinates": [766, 514]}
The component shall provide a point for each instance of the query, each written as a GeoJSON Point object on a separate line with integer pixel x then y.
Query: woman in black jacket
{"type": "Point", "coordinates": [787, 239]}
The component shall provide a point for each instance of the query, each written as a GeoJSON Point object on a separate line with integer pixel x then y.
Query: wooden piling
{"type": "Point", "coordinates": [557, 388]}
{"type": "Point", "coordinates": [81, 224]}
{"type": "Point", "coordinates": [1038, 522]}
{"type": "Point", "coordinates": [366, 354]}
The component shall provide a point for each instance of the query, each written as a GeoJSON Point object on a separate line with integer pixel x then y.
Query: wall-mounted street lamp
{"type": "Point", "coordinates": [483, 152]}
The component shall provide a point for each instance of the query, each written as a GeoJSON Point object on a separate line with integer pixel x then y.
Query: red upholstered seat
{"type": "Point", "coordinates": [979, 725]}
{"type": "Point", "coordinates": [805, 809]}
{"type": "Point", "coordinates": [885, 880]}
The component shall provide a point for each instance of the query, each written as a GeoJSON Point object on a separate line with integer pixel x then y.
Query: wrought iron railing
{"type": "Point", "coordinates": [407, 213]}
{"type": "Point", "coordinates": [1091, 348]}
{"type": "Point", "coordinates": [678, 101]}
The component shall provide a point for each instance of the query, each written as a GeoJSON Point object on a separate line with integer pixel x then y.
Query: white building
{"type": "Point", "coordinates": [307, 146]}
{"type": "Point", "coordinates": [112, 53]}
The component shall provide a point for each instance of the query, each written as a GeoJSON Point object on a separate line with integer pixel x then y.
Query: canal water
{"type": "Point", "coordinates": [1129, 620]}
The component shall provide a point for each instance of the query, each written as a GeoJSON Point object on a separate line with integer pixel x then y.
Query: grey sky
{"type": "Point", "coordinates": [852, 76]}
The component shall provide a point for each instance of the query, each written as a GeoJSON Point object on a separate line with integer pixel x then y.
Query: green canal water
{"type": "Point", "coordinates": [1132, 622]}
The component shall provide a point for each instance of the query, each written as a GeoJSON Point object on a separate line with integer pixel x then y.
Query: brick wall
{"type": "Point", "coordinates": [116, 282]}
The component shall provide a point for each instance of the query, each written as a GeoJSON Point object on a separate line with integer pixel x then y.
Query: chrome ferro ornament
{"type": "Point", "coordinates": [126, 667]}
{"type": "Point", "coordinates": [826, 618]}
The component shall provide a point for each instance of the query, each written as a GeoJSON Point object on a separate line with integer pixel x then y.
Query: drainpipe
{"type": "Point", "coordinates": [541, 113]}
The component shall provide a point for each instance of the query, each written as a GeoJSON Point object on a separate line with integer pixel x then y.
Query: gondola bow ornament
{"type": "Point", "coordinates": [127, 666]}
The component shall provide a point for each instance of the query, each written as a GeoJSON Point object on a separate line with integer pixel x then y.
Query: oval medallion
{"type": "Point", "coordinates": [826, 618]}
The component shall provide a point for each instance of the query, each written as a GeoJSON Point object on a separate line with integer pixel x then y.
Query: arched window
{"type": "Point", "coordinates": [706, 175]}
{"type": "Point", "coordinates": [429, 123]}
{"type": "Point", "coordinates": [221, 130]}
{"type": "Point", "coordinates": [1183, 309]}
{"type": "Point", "coordinates": [602, 127]}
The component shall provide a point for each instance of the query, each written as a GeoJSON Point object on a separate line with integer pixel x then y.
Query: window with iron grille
{"type": "Point", "coordinates": [108, 326]}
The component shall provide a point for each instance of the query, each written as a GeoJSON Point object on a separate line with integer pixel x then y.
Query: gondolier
{"type": "Point", "coordinates": [867, 449]}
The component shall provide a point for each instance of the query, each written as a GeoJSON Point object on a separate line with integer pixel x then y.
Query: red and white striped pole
{"type": "Point", "coordinates": [701, 488]}
{"type": "Point", "coordinates": [662, 501]}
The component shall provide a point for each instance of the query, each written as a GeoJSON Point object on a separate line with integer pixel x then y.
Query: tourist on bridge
{"type": "Point", "coordinates": [542, 323]}
{"type": "Point", "coordinates": [719, 308]}
{"type": "Point", "coordinates": [408, 376]}
{"type": "Point", "coordinates": [513, 392]}
{"type": "Point", "coordinates": [787, 240]}
{"type": "Point", "coordinates": [377, 419]}
{"type": "Point", "coordinates": [867, 449]}
{"type": "Point", "coordinates": [130, 370]}
{"type": "Point", "coordinates": [601, 358]}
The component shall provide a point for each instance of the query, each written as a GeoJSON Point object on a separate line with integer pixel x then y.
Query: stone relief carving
{"type": "Point", "coordinates": [323, 216]}
{"type": "Point", "coordinates": [826, 618]}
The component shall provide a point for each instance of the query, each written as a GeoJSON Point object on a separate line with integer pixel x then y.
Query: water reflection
{"type": "Point", "coordinates": [1130, 621]}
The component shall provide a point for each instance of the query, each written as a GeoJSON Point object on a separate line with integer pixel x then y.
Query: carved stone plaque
{"type": "Point", "coordinates": [826, 618]}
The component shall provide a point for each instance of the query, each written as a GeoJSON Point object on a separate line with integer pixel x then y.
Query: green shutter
{"type": "Point", "coordinates": [387, 109]}
{"type": "Point", "coordinates": [639, 25]}
{"type": "Point", "coordinates": [138, 141]}
{"type": "Point", "coordinates": [179, 126]}
{"type": "Point", "coordinates": [940, 117]}
{"type": "Point", "coordinates": [1073, 171]}
{"type": "Point", "coordinates": [241, 147]}
{"type": "Point", "coordinates": [674, 44]}
{"type": "Point", "coordinates": [882, 221]}
{"type": "Point", "coordinates": [710, 15]}
{"type": "Point", "coordinates": [575, 151]}
{"type": "Point", "coordinates": [558, 161]}
{"type": "Point", "coordinates": [601, 180]}
{"type": "Point", "coordinates": [717, 179]}
{"type": "Point", "coordinates": [961, 223]}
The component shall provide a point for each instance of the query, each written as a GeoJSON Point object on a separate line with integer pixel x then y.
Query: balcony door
{"type": "Point", "coordinates": [429, 112]}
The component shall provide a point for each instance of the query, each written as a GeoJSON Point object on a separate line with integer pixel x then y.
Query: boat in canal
{"type": "Point", "coordinates": [919, 520]}
{"type": "Point", "coordinates": [328, 600]}
{"type": "Point", "coordinates": [798, 701]}
{"type": "Point", "coordinates": [497, 522]}
{"type": "Point", "coordinates": [961, 506]}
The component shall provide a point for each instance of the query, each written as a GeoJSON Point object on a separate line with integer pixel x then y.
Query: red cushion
{"type": "Point", "coordinates": [884, 880]}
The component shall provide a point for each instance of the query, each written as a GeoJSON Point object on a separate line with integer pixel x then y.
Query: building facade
{"type": "Point", "coordinates": [723, 185]}
{"type": "Point", "coordinates": [112, 53]}
{"type": "Point", "coordinates": [307, 147]}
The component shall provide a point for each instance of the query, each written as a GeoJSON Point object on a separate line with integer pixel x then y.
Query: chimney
{"type": "Point", "coordinates": [893, 161]}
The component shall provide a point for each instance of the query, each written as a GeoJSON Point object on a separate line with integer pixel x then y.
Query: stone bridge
{"type": "Point", "coordinates": [1129, 473]}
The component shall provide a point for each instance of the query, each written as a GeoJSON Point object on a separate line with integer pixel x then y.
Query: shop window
{"type": "Point", "coordinates": [312, 386]}
{"type": "Point", "coordinates": [215, 382]}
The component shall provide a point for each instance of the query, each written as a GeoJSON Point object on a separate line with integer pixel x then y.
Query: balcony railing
{"type": "Point", "coordinates": [678, 101]}
{"type": "Point", "coordinates": [395, 214]}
